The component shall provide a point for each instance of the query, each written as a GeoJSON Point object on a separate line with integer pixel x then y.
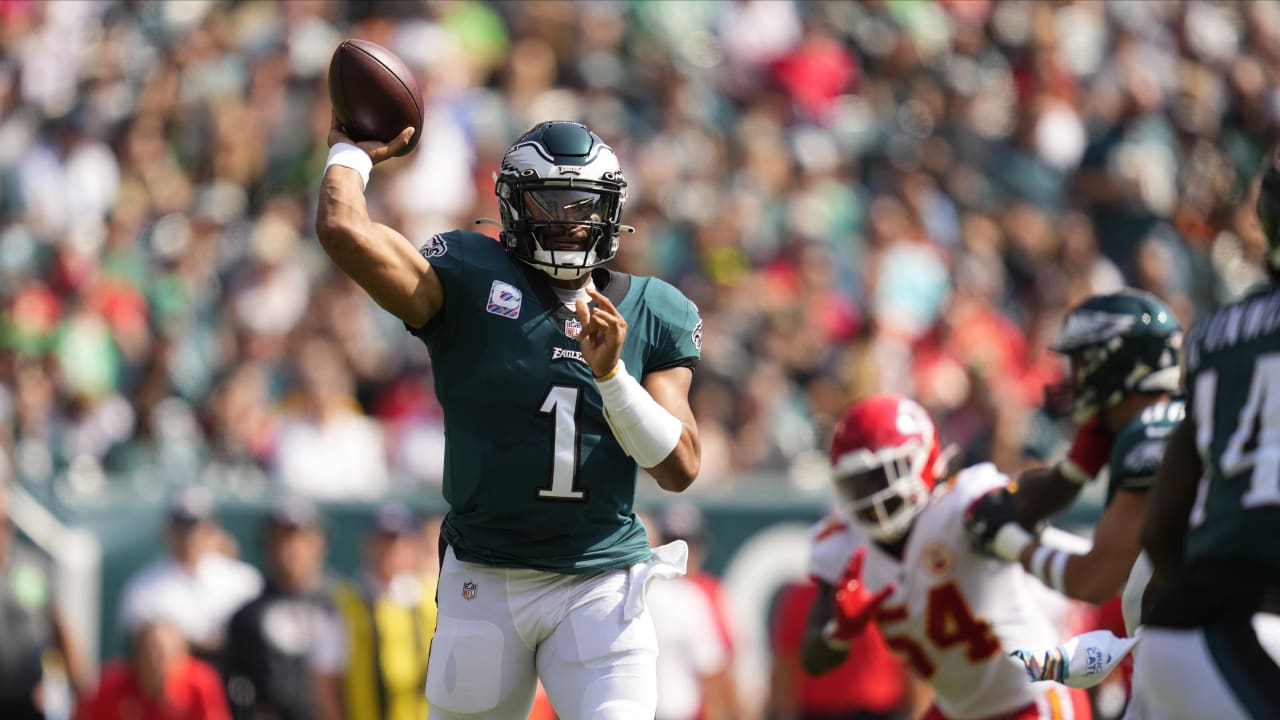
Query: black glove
{"type": "Point", "coordinates": [986, 515]}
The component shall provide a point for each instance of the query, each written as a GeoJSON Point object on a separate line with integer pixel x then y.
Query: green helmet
{"type": "Point", "coordinates": [1269, 211]}
{"type": "Point", "coordinates": [1121, 343]}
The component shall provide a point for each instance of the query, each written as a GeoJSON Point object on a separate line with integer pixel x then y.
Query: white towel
{"type": "Point", "coordinates": [668, 562]}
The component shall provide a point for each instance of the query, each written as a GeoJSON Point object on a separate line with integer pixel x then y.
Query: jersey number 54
{"type": "Point", "coordinates": [948, 622]}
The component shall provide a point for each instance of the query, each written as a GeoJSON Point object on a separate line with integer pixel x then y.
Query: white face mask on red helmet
{"type": "Point", "coordinates": [885, 460]}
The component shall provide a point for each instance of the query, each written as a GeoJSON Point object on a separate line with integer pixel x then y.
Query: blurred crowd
{"type": "Point", "coordinates": [859, 196]}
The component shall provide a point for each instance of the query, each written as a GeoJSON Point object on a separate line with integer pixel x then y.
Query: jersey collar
{"type": "Point", "coordinates": [611, 284]}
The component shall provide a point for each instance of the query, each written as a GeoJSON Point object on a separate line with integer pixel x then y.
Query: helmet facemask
{"type": "Point", "coordinates": [562, 229]}
{"type": "Point", "coordinates": [883, 492]}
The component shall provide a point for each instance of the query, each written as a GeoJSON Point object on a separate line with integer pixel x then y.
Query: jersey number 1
{"type": "Point", "coordinates": [1252, 445]}
{"type": "Point", "coordinates": [561, 404]}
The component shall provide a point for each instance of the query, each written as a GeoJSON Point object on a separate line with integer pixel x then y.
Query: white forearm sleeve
{"type": "Point", "coordinates": [643, 427]}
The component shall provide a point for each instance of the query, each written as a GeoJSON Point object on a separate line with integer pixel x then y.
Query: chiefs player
{"type": "Point", "coordinates": [899, 555]}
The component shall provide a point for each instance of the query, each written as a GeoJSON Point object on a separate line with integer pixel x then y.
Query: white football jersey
{"type": "Point", "coordinates": [956, 613]}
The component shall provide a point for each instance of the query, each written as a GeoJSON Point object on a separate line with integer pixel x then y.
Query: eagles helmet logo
{"type": "Point", "coordinates": [435, 247]}
{"type": "Point", "coordinates": [697, 336]}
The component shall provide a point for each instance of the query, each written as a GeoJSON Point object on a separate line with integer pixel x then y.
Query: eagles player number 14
{"type": "Point", "coordinates": [1258, 428]}
{"type": "Point", "coordinates": [562, 405]}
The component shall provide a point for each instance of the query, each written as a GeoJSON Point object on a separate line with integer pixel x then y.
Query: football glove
{"type": "Point", "coordinates": [1081, 662]}
{"type": "Point", "coordinates": [992, 524]}
{"type": "Point", "coordinates": [854, 606]}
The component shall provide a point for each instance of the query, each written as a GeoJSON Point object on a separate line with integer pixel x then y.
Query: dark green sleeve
{"type": "Point", "coordinates": [1140, 446]}
{"type": "Point", "coordinates": [446, 252]}
{"type": "Point", "coordinates": [1134, 462]}
{"type": "Point", "coordinates": [678, 342]}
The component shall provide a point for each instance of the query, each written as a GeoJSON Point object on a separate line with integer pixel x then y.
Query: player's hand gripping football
{"type": "Point", "coordinates": [603, 332]}
{"type": "Point", "coordinates": [377, 151]}
{"type": "Point", "coordinates": [854, 606]}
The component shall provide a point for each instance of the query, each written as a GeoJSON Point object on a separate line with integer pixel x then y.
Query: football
{"type": "Point", "coordinates": [374, 94]}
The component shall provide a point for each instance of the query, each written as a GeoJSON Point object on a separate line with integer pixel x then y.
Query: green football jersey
{"type": "Point", "coordinates": [1233, 379]}
{"type": "Point", "coordinates": [1140, 445]}
{"type": "Point", "coordinates": [532, 473]}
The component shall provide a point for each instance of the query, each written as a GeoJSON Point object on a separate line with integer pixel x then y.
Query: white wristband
{"type": "Point", "coordinates": [1038, 560]}
{"type": "Point", "coordinates": [1050, 565]}
{"type": "Point", "coordinates": [1072, 472]}
{"type": "Point", "coordinates": [643, 427]}
{"type": "Point", "coordinates": [350, 156]}
{"type": "Point", "coordinates": [1058, 571]}
{"type": "Point", "coordinates": [1010, 540]}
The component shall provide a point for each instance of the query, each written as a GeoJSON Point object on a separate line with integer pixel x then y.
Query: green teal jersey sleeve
{"type": "Point", "coordinates": [1140, 445]}
{"type": "Point", "coordinates": [447, 253]}
{"type": "Point", "coordinates": [672, 328]}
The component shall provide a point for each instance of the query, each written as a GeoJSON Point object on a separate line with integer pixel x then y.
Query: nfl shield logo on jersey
{"type": "Point", "coordinates": [572, 327]}
{"type": "Point", "coordinates": [468, 590]}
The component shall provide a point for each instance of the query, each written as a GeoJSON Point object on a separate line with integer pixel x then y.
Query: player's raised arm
{"type": "Point", "coordinates": [651, 421]}
{"type": "Point", "coordinates": [379, 259]}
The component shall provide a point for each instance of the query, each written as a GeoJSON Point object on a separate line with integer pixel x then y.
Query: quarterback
{"type": "Point", "coordinates": [558, 378]}
{"type": "Point", "coordinates": [899, 555]}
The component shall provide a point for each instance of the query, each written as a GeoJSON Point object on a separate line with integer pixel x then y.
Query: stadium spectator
{"type": "Point", "coordinates": [843, 188]}
{"type": "Point", "coordinates": [291, 633]}
{"type": "Point", "coordinates": [693, 660]}
{"type": "Point", "coordinates": [389, 615]}
{"type": "Point", "coordinates": [870, 684]}
{"type": "Point", "coordinates": [30, 624]}
{"type": "Point", "coordinates": [683, 521]}
{"type": "Point", "coordinates": [195, 586]}
{"type": "Point", "coordinates": [328, 450]}
{"type": "Point", "coordinates": [159, 680]}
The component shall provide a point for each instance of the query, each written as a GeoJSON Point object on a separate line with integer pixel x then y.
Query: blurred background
{"type": "Point", "coordinates": [870, 196]}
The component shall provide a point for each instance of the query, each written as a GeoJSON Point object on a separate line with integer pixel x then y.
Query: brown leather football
{"type": "Point", "coordinates": [374, 94]}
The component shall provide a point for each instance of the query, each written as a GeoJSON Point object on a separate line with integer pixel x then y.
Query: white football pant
{"type": "Point", "coordinates": [590, 639]}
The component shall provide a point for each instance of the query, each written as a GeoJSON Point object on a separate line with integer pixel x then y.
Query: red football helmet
{"type": "Point", "coordinates": [885, 459]}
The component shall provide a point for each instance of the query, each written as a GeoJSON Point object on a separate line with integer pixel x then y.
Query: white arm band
{"type": "Point", "coordinates": [1072, 472]}
{"type": "Point", "coordinates": [1063, 540]}
{"type": "Point", "coordinates": [1050, 565]}
{"type": "Point", "coordinates": [350, 156]}
{"type": "Point", "coordinates": [1010, 540]}
{"type": "Point", "coordinates": [643, 427]}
